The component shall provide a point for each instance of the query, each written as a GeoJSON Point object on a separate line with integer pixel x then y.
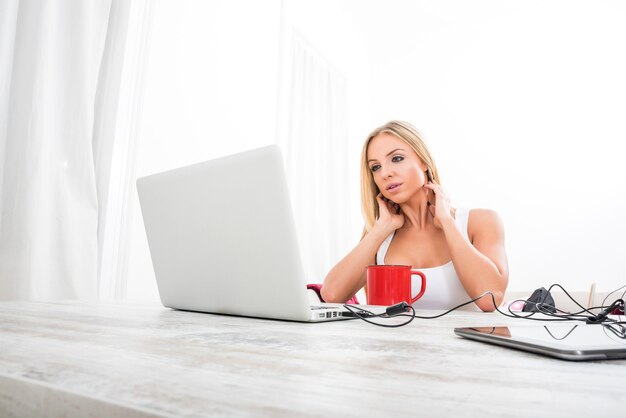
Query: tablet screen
{"type": "Point", "coordinates": [571, 341]}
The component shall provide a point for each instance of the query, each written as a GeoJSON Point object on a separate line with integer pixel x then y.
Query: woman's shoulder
{"type": "Point", "coordinates": [484, 221]}
{"type": "Point", "coordinates": [483, 214]}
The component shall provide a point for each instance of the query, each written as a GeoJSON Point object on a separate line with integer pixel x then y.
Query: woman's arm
{"type": "Point", "coordinates": [481, 264]}
{"type": "Point", "coordinates": [349, 275]}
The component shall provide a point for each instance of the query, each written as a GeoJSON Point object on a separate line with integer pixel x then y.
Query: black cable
{"type": "Point", "coordinates": [563, 337]}
{"type": "Point", "coordinates": [566, 316]}
{"type": "Point", "coordinates": [543, 308]}
{"type": "Point", "coordinates": [364, 314]}
{"type": "Point", "coordinates": [563, 316]}
{"type": "Point", "coordinates": [621, 333]}
{"type": "Point", "coordinates": [413, 315]}
{"type": "Point", "coordinates": [602, 316]}
{"type": "Point", "coordinates": [616, 290]}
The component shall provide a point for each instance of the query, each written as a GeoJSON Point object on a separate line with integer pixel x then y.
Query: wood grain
{"type": "Point", "coordinates": [117, 359]}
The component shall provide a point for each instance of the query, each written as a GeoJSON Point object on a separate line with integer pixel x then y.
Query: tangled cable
{"type": "Point", "coordinates": [585, 314]}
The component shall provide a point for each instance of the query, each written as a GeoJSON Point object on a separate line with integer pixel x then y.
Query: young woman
{"type": "Point", "coordinates": [409, 221]}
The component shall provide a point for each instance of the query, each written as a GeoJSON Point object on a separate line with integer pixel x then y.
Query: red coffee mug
{"type": "Point", "coordinates": [391, 284]}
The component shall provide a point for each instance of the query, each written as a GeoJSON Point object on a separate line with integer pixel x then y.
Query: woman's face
{"type": "Point", "coordinates": [397, 170]}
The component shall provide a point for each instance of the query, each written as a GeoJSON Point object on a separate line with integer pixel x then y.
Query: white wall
{"type": "Point", "coordinates": [336, 41]}
{"type": "Point", "coordinates": [211, 91]}
{"type": "Point", "coordinates": [522, 104]}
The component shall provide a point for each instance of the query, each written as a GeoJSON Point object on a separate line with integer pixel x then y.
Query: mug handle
{"type": "Point", "coordinates": [421, 293]}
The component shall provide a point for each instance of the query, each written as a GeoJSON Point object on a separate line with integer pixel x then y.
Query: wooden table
{"type": "Point", "coordinates": [117, 359]}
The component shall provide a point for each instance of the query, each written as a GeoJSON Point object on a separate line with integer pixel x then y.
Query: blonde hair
{"type": "Point", "coordinates": [413, 138]}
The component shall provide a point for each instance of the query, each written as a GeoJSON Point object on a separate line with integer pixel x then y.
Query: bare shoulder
{"type": "Point", "coordinates": [484, 222]}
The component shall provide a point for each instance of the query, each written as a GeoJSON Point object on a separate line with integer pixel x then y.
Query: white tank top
{"type": "Point", "coordinates": [443, 287]}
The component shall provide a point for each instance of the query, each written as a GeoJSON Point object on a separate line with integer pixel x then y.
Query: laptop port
{"type": "Point", "coordinates": [327, 314]}
{"type": "Point", "coordinates": [334, 314]}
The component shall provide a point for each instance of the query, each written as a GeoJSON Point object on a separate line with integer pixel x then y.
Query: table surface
{"type": "Point", "coordinates": [128, 360]}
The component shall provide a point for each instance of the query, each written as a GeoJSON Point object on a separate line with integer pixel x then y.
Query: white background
{"type": "Point", "coordinates": [522, 104]}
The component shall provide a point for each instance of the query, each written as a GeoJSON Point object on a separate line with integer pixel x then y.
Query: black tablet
{"type": "Point", "coordinates": [568, 342]}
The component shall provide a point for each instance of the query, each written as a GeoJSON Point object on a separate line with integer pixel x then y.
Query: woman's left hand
{"type": "Point", "coordinates": [439, 205]}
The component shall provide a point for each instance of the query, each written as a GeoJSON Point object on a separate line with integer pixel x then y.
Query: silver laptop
{"type": "Point", "coordinates": [222, 239]}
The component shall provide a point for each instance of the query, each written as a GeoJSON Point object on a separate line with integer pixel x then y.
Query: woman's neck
{"type": "Point", "coordinates": [416, 213]}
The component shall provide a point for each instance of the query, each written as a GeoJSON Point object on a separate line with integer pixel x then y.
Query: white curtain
{"type": "Point", "coordinates": [60, 66]}
{"type": "Point", "coordinates": [314, 139]}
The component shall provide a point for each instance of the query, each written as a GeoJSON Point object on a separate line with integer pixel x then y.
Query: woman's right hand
{"type": "Point", "coordinates": [390, 215]}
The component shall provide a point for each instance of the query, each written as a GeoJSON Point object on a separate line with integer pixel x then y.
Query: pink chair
{"type": "Point", "coordinates": [317, 288]}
